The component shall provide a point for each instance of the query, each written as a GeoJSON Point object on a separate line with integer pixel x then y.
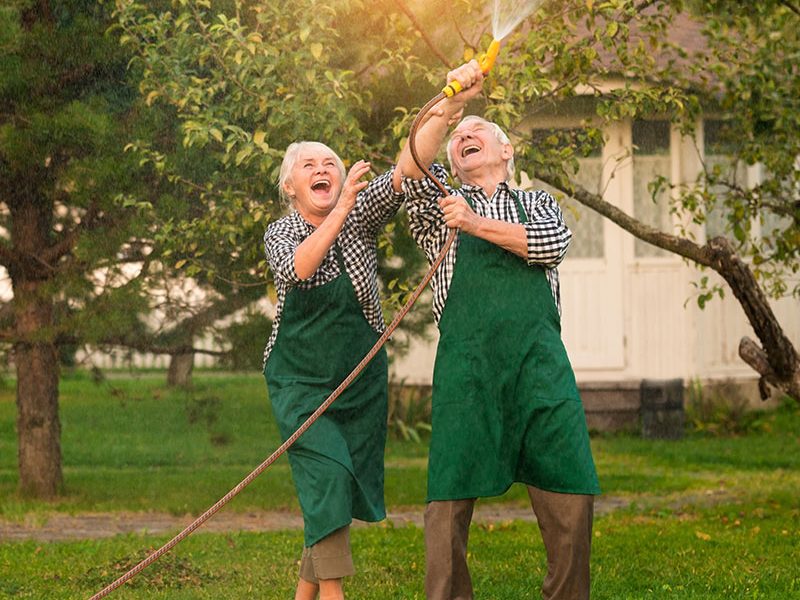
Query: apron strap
{"type": "Point", "coordinates": [337, 251]}
{"type": "Point", "coordinates": [523, 216]}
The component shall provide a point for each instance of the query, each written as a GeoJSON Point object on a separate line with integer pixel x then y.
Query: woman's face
{"type": "Point", "coordinates": [314, 183]}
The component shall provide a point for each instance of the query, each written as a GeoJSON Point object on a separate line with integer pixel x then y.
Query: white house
{"type": "Point", "coordinates": [629, 309]}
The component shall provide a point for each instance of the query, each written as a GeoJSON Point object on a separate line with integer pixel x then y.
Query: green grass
{"type": "Point", "coordinates": [707, 517]}
{"type": "Point", "coordinates": [699, 554]}
{"type": "Point", "coordinates": [132, 444]}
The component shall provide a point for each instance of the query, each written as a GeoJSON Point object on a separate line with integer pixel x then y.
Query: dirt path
{"type": "Point", "coordinates": [61, 527]}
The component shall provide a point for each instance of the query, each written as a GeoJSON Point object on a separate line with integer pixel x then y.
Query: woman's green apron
{"type": "Point", "coordinates": [337, 464]}
{"type": "Point", "coordinates": [505, 404]}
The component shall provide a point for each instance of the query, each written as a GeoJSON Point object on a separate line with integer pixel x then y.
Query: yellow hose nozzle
{"type": "Point", "coordinates": [486, 62]}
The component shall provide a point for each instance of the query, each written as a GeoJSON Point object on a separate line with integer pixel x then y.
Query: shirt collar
{"type": "Point", "coordinates": [300, 222]}
{"type": "Point", "coordinates": [477, 191]}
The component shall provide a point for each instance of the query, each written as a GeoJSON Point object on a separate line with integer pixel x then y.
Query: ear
{"type": "Point", "coordinates": [289, 188]}
{"type": "Point", "coordinates": [508, 152]}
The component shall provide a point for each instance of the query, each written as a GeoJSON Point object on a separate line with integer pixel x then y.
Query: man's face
{"type": "Point", "coordinates": [475, 150]}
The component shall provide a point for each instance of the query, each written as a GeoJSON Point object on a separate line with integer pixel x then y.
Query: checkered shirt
{"type": "Point", "coordinates": [548, 235]}
{"type": "Point", "coordinates": [375, 206]}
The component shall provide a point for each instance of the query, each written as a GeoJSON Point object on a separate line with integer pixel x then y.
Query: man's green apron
{"type": "Point", "coordinates": [505, 404]}
{"type": "Point", "coordinates": [337, 464]}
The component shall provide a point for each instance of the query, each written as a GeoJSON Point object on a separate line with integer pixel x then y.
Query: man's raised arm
{"type": "Point", "coordinates": [433, 130]}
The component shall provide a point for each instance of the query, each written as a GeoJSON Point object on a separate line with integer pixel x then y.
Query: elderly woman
{"type": "Point", "coordinates": [323, 258]}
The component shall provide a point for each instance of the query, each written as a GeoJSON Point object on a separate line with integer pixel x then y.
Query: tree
{"type": "Point", "coordinates": [78, 216]}
{"type": "Point", "coordinates": [245, 82]}
{"type": "Point", "coordinates": [64, 104]}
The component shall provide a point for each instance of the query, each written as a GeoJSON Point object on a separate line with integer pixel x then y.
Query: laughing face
{"type": "Point", "coordinates": [314, 182]}
{"type": "Point", "coordinates": [475, 151]}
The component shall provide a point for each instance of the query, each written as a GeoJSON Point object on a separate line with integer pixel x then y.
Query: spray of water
{"type": "Point", "coordinates": [507, 14]}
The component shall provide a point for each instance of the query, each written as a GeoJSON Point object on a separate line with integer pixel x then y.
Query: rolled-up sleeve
{"type": "Point", "coordinates": [548, 235]}
{"type": "Point", "coordinates": [378, 202]}
{"type": "Point", "coordinates": [426, 219]}
{"type": "Point", "coordinates": [280, 245]}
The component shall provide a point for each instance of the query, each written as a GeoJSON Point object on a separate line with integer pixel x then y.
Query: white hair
{"type": "Point", "coordinates": [290, 158]}
{"type": "Point", "coordinates": [498, 133]}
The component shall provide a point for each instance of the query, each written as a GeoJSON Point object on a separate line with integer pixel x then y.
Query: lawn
{"type": "Point", "coordinates": [705, 517]}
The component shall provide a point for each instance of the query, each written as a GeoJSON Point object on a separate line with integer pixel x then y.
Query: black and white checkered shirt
{"type": "Point", "coordinates": [548, 235]}
{"type": "Point", "coordinates": [375, 206]}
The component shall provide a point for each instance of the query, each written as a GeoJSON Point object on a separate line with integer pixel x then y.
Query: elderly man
{"type": "Point", "coordinates": [505, 404]}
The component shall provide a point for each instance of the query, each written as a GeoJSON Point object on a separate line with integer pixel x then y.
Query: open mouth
{"type": "Point", "coordinates": [467, 150]}
{"type": "Point", "coordinates": [323, 185]}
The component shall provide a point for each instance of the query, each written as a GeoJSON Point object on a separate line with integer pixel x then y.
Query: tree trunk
{"type": "Point", "coordinates": [180, 369]}
{"type": "Point", "coordinates": [38, 425]}
{"type": "Point", "coordinates": [778, 362]}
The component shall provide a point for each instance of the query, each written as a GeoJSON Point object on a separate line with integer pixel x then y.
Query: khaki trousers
{"type": "Point", "coordinates": [565, 522]}
{"type": "Point", "coordinates": [329, 558]}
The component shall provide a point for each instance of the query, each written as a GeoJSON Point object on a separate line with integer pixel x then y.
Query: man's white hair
{"type": "Point", "coordinates": [290, 158]}
{"type": "Point", "coordinates": [498, 133]}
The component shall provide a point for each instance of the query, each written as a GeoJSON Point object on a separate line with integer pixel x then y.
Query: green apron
{"type": "Point", "coordinates": [337, 464]}
{"type": "Point", "coordinates": [506, 406]}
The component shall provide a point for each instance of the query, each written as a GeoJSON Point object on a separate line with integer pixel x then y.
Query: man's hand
{"type": "Point", "coordinates": [459, 215]}
{"type": "Point", "coordinates": [470, 76]}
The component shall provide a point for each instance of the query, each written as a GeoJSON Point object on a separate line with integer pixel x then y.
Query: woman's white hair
{"type": "Point", "coordinates": [498, 133]}
{"type": "Point", "coordinates": [290, 158]}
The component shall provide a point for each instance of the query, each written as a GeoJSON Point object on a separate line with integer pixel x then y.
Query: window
{"type": "Point", "coordinates": [651, 160]}
{"type": "Point", "coordinates": [586, 225]}
{"type": "Point", "coordinates": [720, 167]}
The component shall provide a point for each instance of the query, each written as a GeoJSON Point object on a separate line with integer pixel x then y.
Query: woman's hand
{"type": "Point", "coordinates": [439, 111]}
{"type": "Point", "coordinates": [352, 186]}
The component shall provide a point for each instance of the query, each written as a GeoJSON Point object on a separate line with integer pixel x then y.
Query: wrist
{"type": "Point", "coordinates": [453, 104]}
{"type": "Point", "coordinates": [477, 226]}
{"type": "Point", "coordinates": [339, 212]}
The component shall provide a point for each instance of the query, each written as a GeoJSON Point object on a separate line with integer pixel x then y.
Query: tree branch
{"type": "Point", "coordinates": [218, 56]}
{"type": "Point", "coordinates": [645, 5]}
{"type": "Point", "coordinates": [778, 362]}
{"type": "Point", "coordinates": [8, 258]}
{"type": "Point", "coordinates": [211, 313]}
{"type": "Point", "coordinates": [40, 11]}
{"type": "Point", "coordinates": [677, 245]}
{"type": "Point", "coordinates": [461, 33]}
{"type": "Point", "coordinates": [791, 7]}
{"type": "Point", "coordinates": [70, 238]}
{"type": "Point", "coordinates": [145, 346]}
{"type": "Point", "coordinates": [425, 37]}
